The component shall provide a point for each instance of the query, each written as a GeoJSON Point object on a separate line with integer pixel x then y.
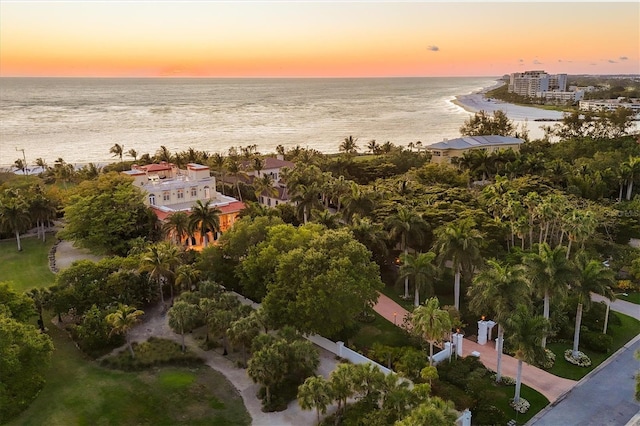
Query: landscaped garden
{"type": "Point", "coordinates": [78, 391]}
{"type": "Point", "coordinates": [28, 268]}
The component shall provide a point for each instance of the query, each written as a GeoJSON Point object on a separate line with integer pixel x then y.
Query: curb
{"type": "Point", "coordinates": [606, 362]}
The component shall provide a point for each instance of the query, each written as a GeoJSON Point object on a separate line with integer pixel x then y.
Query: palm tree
{"type": "Point", "coordinates": [419, 267]}
{"type": "Point", "coordinates": [40, 297]}
{"type": "Point", "coordinates": [160, 261]}
{"type": "Point", "coordinates": [42, 209]}
{"type": "Point", "coordinates": [233, 166]}
{"type": "Point", "coordinates": [372, 235]}
{"type": "Point", "coordinates": [401, 225]}
{"type": "Point", "coordinates": [204, 219]}
{"type": "Point", "coordinates": [177, 225]}
{"type": "Point", "coordinates": [525, 333]}
{"type": "Point", "coordinates": [496, 290]}
{"type": "Point", "coordinates": [257, 164]}
{"type": "Point", "coordinates": [578, 225]}
{"type": "Point", "coordinates": [19, 164]}
{"type": "Point", "coordinates": [187, 276]}
{"type": "Point", "coordinates": [264, 185]}
{"type": "Point", "coordinates": [459, 242]}
{"type": "Point", "coordinates": [306, 199]}
{"type": "Point", "coordinates": [349, 146]}
{"type": "Point", "coordinates": [373, 147]}
{"type": "Point", "coordinates": [218, 162]}
{"type": "Point", "coordinates": [632, 171]}
{"type": "Point", "coordinates": [133, 154]}
{"type": "Point", "coordinates": [182, 317]}
{"type": "Point", "coordinates": [117, 150]}
{"type": "Point", "coordinates": [592, 277]}
{"type": "Point", "coordinates": [163, 154]}
{"type": "Point", "coordinates": [549, 273]}
{"type": "Point", "coordinates": [123, 320]}
{"type": "Point", "coordinates": [431, 323]}
{"type": "Point", "coordinates": [316, 393]}
{"type": "Point", "coordinates": [359, 200]}
{"type": "Point", "coordinates": [14, 216]}
{"type": "Point", "coordinates": [326, 218]}
{"type": "Point", "coordinates": [242, 331]}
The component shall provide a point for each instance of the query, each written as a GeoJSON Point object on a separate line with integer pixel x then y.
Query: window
{"type": "Point", "coordinates": [152, 199]}
{"type": "Point", "coordinates": [180, 194]}
{"type": "Point", "coordinates": [194, 191]}
{"type": "Point", "coordinates": [166, 196]}
{"type": "Point", "coordinates": [269, 202]}
{"type": "Point", "coordinates": [207, 192]}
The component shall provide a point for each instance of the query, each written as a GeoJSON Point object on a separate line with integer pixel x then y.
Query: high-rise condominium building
{"type": "Point", "coordinates": [529, 83]}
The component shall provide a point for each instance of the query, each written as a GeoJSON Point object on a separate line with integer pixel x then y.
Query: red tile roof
{"type": "Point", "coordinates": [233, 207]}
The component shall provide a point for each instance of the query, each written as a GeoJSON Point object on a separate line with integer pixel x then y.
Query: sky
{"type": "Point", "coordinates": [316, 39]}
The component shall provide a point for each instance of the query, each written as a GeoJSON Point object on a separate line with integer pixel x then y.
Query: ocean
{"type": "Point", "coordinates": [79, 119]}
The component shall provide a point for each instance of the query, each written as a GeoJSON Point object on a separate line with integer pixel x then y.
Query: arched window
{"type": "Point", "coordinates": [152, 199]}
{"type": "Point", "coordinates": [207, 192]}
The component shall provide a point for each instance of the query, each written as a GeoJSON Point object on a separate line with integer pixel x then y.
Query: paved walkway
{"type": "Point", "coordinates": [156, 324]}
{"type": "Point", "coordinates": [619, 305]}
{"type": "Point", "coordinates": [552, 387]}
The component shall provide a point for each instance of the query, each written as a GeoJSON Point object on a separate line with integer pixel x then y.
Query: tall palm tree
{"type": "Point", "coordinates": [306, 199]}
{"type": "Point", "coordinates": [163, 154]}
{"type": "Point", "coordinates": [420, 267]}
{"type": "Point", "coordinates": [401, 225]}
{"type": "Point", "coordinates": [177, 225]}
{"type": "Point", "coordinates": [496, 291]}
{"type": "Point", "coordinates": [242, 331]}
{"type": "Point", "coordinates": [187, 276]}
{"type": "Point", "coordinates": [20, 164]}
{"type": "Point", "coordinates": [257, 164]}
{"type": "Point", "coordinates": [204, 219]}
{"type": "Point", "coordinates": [431, 323]}
{"type": "Point", "coordinates": [42, 209]}
{"type": "Point", "coordinates": [14, 216]}
{"type": "Point", "coordinates": [592, 277]}
{"type": "Point", "coordinates": [218, 162]}
{"type": "Point", "coordinates": [549, 274]}
{"type": "Point", "coordinates": [525, 333]}
{"type": "Point", "coordinates": [632, 169]}
{"type": "Point", "coordinates": [117, 150]}
{"type": "Point", "coordinates": [234, 168]}
{"type": "Point", "coordinates": [123, 320]}
{"type": "Point", "coordinates": [578, 225]}
{"type": "Point", "coordinates": [372, 235]}
{"type": "Point", "coordinates": [460, 243]}
{"type": "Point", "coordinates": [160, 261]}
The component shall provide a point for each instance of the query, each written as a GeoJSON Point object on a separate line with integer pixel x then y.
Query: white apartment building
{"type": "Point", "coordinates": [530, 83]}
{"type": "Point", "coordinates": [561, 96]}
{"type": "Point", "coordinates": [611, 104]}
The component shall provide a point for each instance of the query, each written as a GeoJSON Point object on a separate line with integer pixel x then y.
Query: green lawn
{"type": "Point", "coordinates": [535, 398]}
{"type": "Point", "coordinates": [380, 331]}
{"type": "Point", "coordinates": [79, 392]}
{"type": "Point", "coordinates": [28, 268]}
{"type": "Point", "coordinates": [629, 328]}
{"type": "Point", "coordinates": [633, 297]}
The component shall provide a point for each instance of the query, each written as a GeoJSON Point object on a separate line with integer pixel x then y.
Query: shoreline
{"type": "Point", "coordinates": [476, 101]}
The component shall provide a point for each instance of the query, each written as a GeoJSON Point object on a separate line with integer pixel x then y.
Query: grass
{"type": "Point", "coordinates": [380, 331]}
{"type": "Point", "coordinates": [535, 398]}
{"type": "Point", "coordinates": [623, 333]}
{"type": "Point", "coordinates": [28, 268]}
{"type": "Point", "coordinates": [79, 392]}
{"type": "Point", "coordinates": [632, 297]}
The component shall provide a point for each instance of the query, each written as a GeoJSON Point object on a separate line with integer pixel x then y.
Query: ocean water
{"type": "Point", "coordinates": [80, 119]}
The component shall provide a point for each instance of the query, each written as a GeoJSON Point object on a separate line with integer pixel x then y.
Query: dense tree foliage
{"type": "Point", "coordinates": [24, 353]}
{"type": "Point", "coordinates": [106, 214]}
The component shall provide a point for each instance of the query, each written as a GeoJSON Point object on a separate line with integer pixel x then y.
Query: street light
{"type": "Point", "coordinates": [395, 314]}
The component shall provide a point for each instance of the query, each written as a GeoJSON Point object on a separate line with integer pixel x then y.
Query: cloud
{"type": "Point", "coordinates": [537, 62]}
{"type": "Point", "coordinates": [433, 48]}
{"type": "Point", "coordinates": [593, 63]}
{"type": "Point", "coordinates": [521, 60]}
{"type": "Point", "coordinates": [623, 58]}
{"type": "Point", "coordinates": [559, 60]}
{"type": "Point", "coordinates": [611, 61]}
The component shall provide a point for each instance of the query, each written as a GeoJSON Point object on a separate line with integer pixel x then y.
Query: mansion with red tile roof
{"type": "Point", "coordinates": [170, 189]}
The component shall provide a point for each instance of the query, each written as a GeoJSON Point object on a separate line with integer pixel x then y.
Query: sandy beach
{"type": "Point", "coordinates": [475, 102]}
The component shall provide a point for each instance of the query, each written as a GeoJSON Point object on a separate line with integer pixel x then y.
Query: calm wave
{"type": "Point", "coordinates": [80, 119]}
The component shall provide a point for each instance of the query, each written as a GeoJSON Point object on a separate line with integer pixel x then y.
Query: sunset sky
{"type": "Point", "coordinates": [316, 39]}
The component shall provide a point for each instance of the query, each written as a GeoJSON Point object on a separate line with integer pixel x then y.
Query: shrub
{"type": "Point", "coordinates": [522, 406]}
{"type": "Point", "coordinates": [448, 391]}
{"type": "Point", "coordinates": [488, 415]}
{"type": "Point", "coordinates": [548, 361]}
{"type": "Point", "coordinates": [582, 360]}
{"type": "Point", "coordinates": [597, 341]}
{"type": "Point", "coordinates": [153, 352]}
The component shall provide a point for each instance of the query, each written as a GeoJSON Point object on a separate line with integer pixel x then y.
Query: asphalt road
{"type": "Point", "coordinates": [605, 397]}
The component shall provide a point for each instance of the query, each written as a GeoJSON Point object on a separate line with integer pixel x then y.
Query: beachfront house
{"type": "Point", "coordinates": [169, 189]}
{"type": "Point", "coordinates": [443, 152]}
